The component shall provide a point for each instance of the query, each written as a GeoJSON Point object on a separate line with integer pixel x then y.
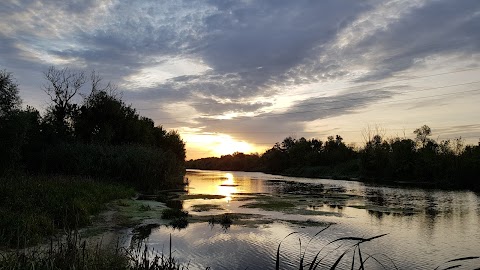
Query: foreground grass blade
{"type": "Point", "coordinates": [277, 262]}
{"type": "Point", "coordinates": [353, 259]}
{"type": "Point", "coordinates": [359, 239]}
{"type": "Point", "coordinates": [360, 257]}
{"type": "Point", "coordinates": [380, 254]}
{"type": "Point", "coordinates": [338, 260]}
{"type": "Point", "coordinates": [458, 259]}
{"type": "Point", "coordinates": [453, 266]}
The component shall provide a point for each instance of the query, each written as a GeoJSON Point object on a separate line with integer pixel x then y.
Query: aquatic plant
{"type": "Point", "coordinates": [179, 223]}
{"type": "Point", "coordinates": [178, 217]}
{"type": "Point", "coordinates": [172, 213]}
{"type": "Point", "coordinates": [206, 207]}
{"type": "Point", "coordinates": [315, 262]}
{"type": "Point", "coordinates": [224, 220]}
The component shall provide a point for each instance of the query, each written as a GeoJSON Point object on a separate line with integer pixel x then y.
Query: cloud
{"type": "Point", "coordinates": [220, 56]}
{"type": "Point", "coordinates": [330, 106]}
{"type": "Point", "coordinates": [433, 29]}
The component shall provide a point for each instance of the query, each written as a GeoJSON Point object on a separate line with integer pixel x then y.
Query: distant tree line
{"type": "Point", "coordinates": [94, 134]}
{"type": "Point", "coordinates": [448, 163]}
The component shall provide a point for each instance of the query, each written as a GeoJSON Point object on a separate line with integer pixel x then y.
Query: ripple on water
{"type": "Point", "coordinates": [443, 224]}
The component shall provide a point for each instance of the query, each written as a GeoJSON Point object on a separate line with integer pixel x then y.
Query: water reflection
{"type": "Point", "coordinates": [227, 187]}
{"type": "Point", "coordinates": [425, 226]}
{"type": "Point", "coordinates": [140, 233]}
{"type": "Point", "coordinates": [175, 204]}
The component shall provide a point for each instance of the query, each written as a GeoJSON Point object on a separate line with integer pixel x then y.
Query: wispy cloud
{"type": "Point", "coordinates": [221, 57]}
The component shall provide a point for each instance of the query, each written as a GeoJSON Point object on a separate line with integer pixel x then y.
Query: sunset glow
{"type": "Point", "coordinates": [199, 145]}
{"type": "Point", "coordinates": [230, 79]}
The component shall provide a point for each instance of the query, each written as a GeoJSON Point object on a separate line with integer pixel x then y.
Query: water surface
{"type": "Point", "coordinates": [425, 227]}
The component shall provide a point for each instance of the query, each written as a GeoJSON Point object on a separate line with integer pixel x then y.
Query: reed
{"type": "Point", "coordinates": [319, 260]}
{"type": "Point", "coordinates": [358, 260]}
{"type": "Point", "coordinates": [74, 253]}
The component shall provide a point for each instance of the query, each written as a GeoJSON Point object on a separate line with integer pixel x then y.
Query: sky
{"type": "Point", "coordinates": [241, 75]}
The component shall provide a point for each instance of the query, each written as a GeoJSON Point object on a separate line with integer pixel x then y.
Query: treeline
{"type": "Point", "coordinates": [88, 133]}
{"type": "Point", "coordinates": [235, 162]}
{"type": "Point", "coordinates": [448, 163]}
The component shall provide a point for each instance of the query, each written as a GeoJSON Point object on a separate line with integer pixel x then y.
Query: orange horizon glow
{"type": "Point", "coordinates": [216, 145]}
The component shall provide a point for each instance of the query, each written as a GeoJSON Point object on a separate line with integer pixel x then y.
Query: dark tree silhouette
{"type": "Point", "coordinates": [422, 135]}
{"type": "Point", "coordinates": [9, 98]}
{"type": "Point", "coordinates": [62, 86]}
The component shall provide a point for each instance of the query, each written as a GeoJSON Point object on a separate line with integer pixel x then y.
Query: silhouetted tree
{"type": "Point", "coordinates": [374, 158]}
{"type": "Point", "coordinates": [18, 127]}
{"type": "Point", "coordinates": [9, 97]}
{"type": "Point", "coordinates": [62, 86]}
{"type": "Point", "coordinates": [422, 135]}
{"type": "Point", "coordinates": [402, 158]}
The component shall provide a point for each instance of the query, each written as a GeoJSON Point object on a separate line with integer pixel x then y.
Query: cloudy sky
{"type": "Point", "coordinates": [240, 75]}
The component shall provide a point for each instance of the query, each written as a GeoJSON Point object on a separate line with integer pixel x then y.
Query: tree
{"type": "Point", "coordinates": [62, 86]}
{"type": "Point", "coordinates": [9, 98]}
{"type": "Point", "coordinates": [18, 127]}
{"type": "Point", "coordinates": [422, 135]}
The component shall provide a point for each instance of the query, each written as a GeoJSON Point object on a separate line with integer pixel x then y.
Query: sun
{"type": "Point", "coordinates": [229, 146]}
{"type": "Point", "coordinates": [203, 145]}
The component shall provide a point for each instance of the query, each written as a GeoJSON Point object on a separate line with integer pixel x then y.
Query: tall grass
{"type": "Point", "coordinates": [74, 253]}
{"type": "Point", "coordinates": [34, 207]}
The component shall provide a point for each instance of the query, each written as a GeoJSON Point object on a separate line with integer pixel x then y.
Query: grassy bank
{"type": "Point", "coordinates": [75, 253]}
{"type": "Point", "coordinates": [32, 208]}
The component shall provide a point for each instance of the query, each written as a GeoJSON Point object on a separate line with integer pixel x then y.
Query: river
{"type": "Point", "coordinates": [424, 227]}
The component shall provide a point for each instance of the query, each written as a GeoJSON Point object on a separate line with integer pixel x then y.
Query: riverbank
{"type": "Point", "coordinates": [66, 222]}
{"type": "Point", "coordinates": [35, 207]}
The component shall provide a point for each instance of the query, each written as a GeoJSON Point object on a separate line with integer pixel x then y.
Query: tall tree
{"type": "Point", "coordinates": [62, 86]}
{"type": "Point", "coordinates": [9, 97]}
{"type": "Point", "coordinates": [422, 135]}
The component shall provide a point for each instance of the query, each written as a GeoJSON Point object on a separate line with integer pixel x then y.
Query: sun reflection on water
{"type": "Point", "coordinates": [227, 187]}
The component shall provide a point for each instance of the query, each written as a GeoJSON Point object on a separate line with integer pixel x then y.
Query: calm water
{"type": "Point", "coordinates": [425, 227]}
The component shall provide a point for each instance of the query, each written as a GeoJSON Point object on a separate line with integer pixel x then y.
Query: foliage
{"type": "Point", "coordinates": [62, 87]}
{"type": "Point", "coordinates": [104, 118]}
{"type": "Point", "coordinates": [235, 162]}
{"type": "Point", "coordinates": [9, 98]}
{"type": "Point", "coordinates": [143, 167]}
{"type": "Point", "coordinates": [99, 137]}
{"type": "Point", "coordinates": [17, 137]}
